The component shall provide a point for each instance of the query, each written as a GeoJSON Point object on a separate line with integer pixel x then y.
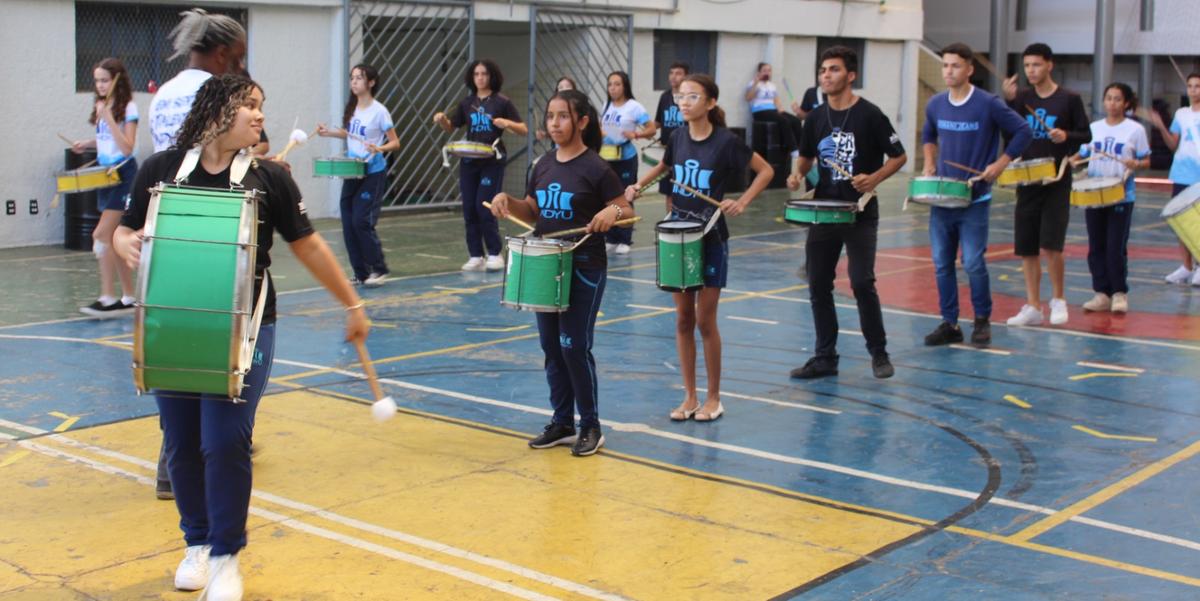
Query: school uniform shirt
{"type": "Point", "coordinates": [1185, 169]}
{"type": "Point", "coordinates": [569, 195]}
{"type": "Point", "coordinates": [280, 206]}
{"type": "Point", "coordinates": [107, 151]}
{"type": "Point", "coordinates": [620, 119]}
{"type": "Point", "coordinates": [764, 96]}
{"type": "Point", "coordinates": [813, 97]}
{"type": "Point", "coordinates": [171, 105]}
{"type": "Point", "coordinates": [478, 115]}
{"type": "Point", "coordinates": [968, 133]}
{"type": "Point", "coordinates": [667, 116]}
{"type": "Point", "coordinates": [856, 139]}
{"type": "Point", "coordinates": [1126, 140]}
{"type": "Point", "coordinates": [369, 125]}
{"type": "Point", "coordinates": [705, 165]}
{"type": "Point", "coordinates": [1061, 110]}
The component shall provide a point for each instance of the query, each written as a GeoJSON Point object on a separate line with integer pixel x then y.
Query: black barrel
{"type": "Point", "coordinates": [768, 142]}
{"type": "Point", "coordinates": [81, 216]}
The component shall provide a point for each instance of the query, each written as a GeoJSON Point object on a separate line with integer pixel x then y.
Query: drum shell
{"type": "Point", "coordinates": [802, 213]}
{"type": "Point", "coordinates": [342, 167]}
{"type": "Point", "coordinates": [940, 192]}
{"type": "Point", "coordinates": [537, 276]}
{"type": "Point", "coordinates": [1085, 193]}
{"type": "Point", "coordinates": [1026, 173]}
{"type": "Point", "coordinates": [610, 152]}
{"type": "Point", "coordinates": [466, 149]}
{"type": "Point", "coordinates": [680, 255]}
{"type": "Point", "coordinates": [1183, 215]}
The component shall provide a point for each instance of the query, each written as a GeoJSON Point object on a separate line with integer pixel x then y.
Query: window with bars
{"type": "Point", "coordinates": [696, 48]}
{"type": "Point", "coordinates": [134, 33]}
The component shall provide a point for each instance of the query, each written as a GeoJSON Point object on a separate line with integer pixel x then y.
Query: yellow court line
{"type": "Point", "coordinates": [1018, 402]}
{"type": "Point", "coordinates": [508, 329]}
{"type": "Point", "coordinates": [115, 337]}
{"type": "Point", "coordinates": [1106, 494]}
{"type": "Point", "coordinates": [15, 457]}
{"type": "Point", "coordinates": [1098, 374]}
{"type": "Point", "coordinates": [1099, 434]}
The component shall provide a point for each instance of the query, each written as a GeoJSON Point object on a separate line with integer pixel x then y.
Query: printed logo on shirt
{"type": "Point", "coordinates": [690, 174]}
{"type": "Point", "coordinates": [554, 203]}
{"type": "Point", "coordinates": [839, 148]}
{"type": "Point", "coordinates": [481, 122]}
{"type": "Point", "coordinates": [949, 125]}
{"type": "Point", "coordinates": [1039, 132]}
{"type": "Point", "coordinates": [672, 117]}
{"type": "Point", "coordinates": [357, 127]}
{"type": "Point", "coordinates": [1109, 145]}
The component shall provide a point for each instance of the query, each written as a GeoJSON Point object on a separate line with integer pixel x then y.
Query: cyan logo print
{"type": "Point", "coordinates": [691, 174]}
{"type": "Point", "coordinates": [481, 122]}
{"type": "Point", "coordinates": [672, 117]}
{"type": "Point", "coordinates": [1039, 132]}
{"type": "Point", "coordinates": [1110, 145]}
{"type": "Point", "coordinates": [554, 203]}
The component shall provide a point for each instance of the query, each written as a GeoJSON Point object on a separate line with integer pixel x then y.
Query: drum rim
{"type": "Point", "coordinates": [834, 205]}
{"type": "Point", "coordinates": [921, 197]}
{"type": "Point", "coordinates": [941, 179]}
{"type": "Point", "coordinates": [1182, 201]}
{"type": "Point", "coordinates": [1114, 182]}
{"type": "Point", "coordinates": [339, 159]}
{"type": "Point", "coordinates": [667, 223]}
{"type": "Point", "coordinates": [1030, 162]}
{"type": "Point", "coordinates": [539, 242]}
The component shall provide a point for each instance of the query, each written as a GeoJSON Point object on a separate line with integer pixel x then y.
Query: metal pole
{"type": "Point", "coordinates": [1146, 66]}
{"type": "Point", "coordinates": [1147, 21]}
{"type": "Point", "coordinates": [530, 119]}
{"type": "Point", "coordinates": [998, 41]}
{"type": "Point", "coordinates": [629, 33]}
{"type": "Point", "coordinates": [1102, 60]}
{"type": "Point", "coordinates": [471, 31]}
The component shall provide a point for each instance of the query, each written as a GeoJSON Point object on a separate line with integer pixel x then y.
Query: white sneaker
{"type": "Point", "coordinates": [1058, 311]}
{"type": "Point", "coordinates": [609, 246]}
{"type": "Point", "coordinates": [375, 280]}
{"type": "Point", "coordinates": [1100, 302]}
{"type": "Point", "coordinates": [623, 249]}
{"type": "Point", "coordinates": [224, 579]}
{"type": "Point", "coordinates": [473, 264]}
{"type": "Point", "coordinates": [1120, 303]}
{"type": "Point", "coordinates": [1180, 275]}
{"type": "Point", "coordinates": [1029, 316]}
{"type": "Point", "coordinates": [494, 263]}
{"type": "Point", "coordinates": [192, 573]}
{"type": "Point", "coordinates": [1196, 278]}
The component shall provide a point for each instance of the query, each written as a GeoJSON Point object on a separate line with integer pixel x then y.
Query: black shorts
{"type": "Point", "coordinates": [1041, 219]}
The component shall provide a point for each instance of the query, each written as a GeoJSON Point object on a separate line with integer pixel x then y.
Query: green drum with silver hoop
{"type": "Point", "coordinates": [813, 212]}
{"type": "Point", "coordinates": [538, 275]}
{"type": "Point", "coordinates": [193, 327]}
{"type": "Point", "coordinates": [680, 255]}
{"type": "Point", "coordinates": [344, 167]}
{"type": "Point", "coordinates": [945, 192]}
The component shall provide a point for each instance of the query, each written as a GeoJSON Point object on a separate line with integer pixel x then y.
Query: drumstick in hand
{"type": "Point", "coordinates": [698, 194]}
{"type": "Point", "coordinates": [575, 231]}
{"type": "Point", "coordinates": [511, 217]}
{"type": "Point", "coordinates": [68, 141]}
{"type": "Point", "coordinates": [964, 167]}
{"type": "Point", "coordinates": [384, 407]}
{"type": "Point", "coordinates": [862, 200]}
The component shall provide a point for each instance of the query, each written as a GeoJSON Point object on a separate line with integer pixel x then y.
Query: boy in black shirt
{"type": "Point", "coordinates": [667, 117]}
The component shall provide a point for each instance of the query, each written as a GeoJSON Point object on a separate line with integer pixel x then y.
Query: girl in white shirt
{"type": "Point", "coordinates": [624, 120]}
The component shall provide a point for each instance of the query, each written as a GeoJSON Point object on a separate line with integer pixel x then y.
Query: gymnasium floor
{"type": "Point", "coordinates": [1058, 464]}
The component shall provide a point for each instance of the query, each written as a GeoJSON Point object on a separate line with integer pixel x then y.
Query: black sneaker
{"type": "Point", "coordinates": [946, 333]}
{"type": "Point", "coordinates": [163, 490]}
{"type": "Point", "coordinates": [100, 311]}
{"type": "Point", "coordinates": [981, 334]}
{"type": "Point", "coordinates": [817, 367]}
{"type": "Point", "coordinates": [882, 366]}
{"type": "Point", "coordinates": [590, 440]}
{"type": "Point", "coordinates": [553, 435]}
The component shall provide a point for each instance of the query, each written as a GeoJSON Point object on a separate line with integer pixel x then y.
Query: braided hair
{"type": "Point", "coordinates": [214, 109]}
{"type": "Point", "coordinates": [202, 32]}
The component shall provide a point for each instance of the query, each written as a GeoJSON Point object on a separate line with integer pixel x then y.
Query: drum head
{"type": "Point", "coordinates": [681, 226]}
{"type": "Point", "coordinates": [1182, 201]}
{"type": "Point", "coordinates": [827, 205]}
{"type": "Point", "coordinates": [1096, 183]}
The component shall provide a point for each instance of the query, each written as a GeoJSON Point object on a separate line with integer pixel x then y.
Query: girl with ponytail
{"type": "Point", "coordinates": [571, 186]}
{"type": "Point", "coordinates": [703, 156]}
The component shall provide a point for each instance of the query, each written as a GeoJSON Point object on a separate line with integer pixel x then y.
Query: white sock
{"type": "Point", "coordinates": [107, 300]}
{"type": "Point", "coordinates": [128, 300]}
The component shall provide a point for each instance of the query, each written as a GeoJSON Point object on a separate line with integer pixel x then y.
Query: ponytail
{"type": "Point", "coordinates": [716, 115]}
{"type": "Point", "coordinates": [581, 107]}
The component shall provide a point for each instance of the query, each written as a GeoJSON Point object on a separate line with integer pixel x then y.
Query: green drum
{"type": "Point", "coordinates": [344, 167]}
{"type": "Point", "coordinates": [538, 276]}
{"type": "Point", "coordinates": [945, 192]}
{"type": "Point", "coordinates": [813, 212]}
{"type": "Point", "coordinates": [193, 323]}
{"type": "Point", "coordinates": [680, 255]}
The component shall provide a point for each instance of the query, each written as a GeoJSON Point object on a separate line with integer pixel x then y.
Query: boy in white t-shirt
{"type": "Point", "coordinates": [1183, 137]}
{"type": "Point", "coordinates": [1118, 147]}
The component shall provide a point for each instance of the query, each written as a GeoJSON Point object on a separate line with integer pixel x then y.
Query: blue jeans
{"type": "Point", "coordinates": [206, 439]}
{"type": "Point", "coordinates": [116, 197]}
{"type": "Point", "coordinates": [567, 342]}
{"type": "Point", "coordinates": [360, 203]}
{"type": "Point", "coordinates": [627, 170]}
{"type": "Point", "coordinates": [1108, 245]}
{"type": "Point", "coordinates": [947, 229]}
{"type": "Point", "coordinates": [479, 180]}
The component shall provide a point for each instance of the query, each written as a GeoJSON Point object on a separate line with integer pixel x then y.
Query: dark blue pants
{"type": "Point", "coordinates": [361, 201]}
{"type": "Point", "coordinates": [567, 342]}
{"type": "Point", "coordinates": [479, 180]}
{"type": "Point", "coordinates": [1108, 241]}
{"type": "Point", "coordinates": [627, 170]}
{"type": "Point", "coordinates": [206, 439]}
{"type": "Point", "coordinates": [948, 229]}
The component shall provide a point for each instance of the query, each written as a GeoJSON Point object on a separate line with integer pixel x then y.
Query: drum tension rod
{"type": "Point", "coordinates": [221, 242]}
{"type": "Point", "coordinates": [170, 308]}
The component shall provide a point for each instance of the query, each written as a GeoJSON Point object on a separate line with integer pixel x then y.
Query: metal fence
{"type": "Point", "coordinates": [420, 49]}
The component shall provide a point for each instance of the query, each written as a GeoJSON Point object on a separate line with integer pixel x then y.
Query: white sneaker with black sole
{"type": "Point", "coordinates": [102, 310]}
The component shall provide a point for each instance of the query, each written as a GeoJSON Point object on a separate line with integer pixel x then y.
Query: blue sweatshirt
{"type": "Point", "coordinates": [969, 134]}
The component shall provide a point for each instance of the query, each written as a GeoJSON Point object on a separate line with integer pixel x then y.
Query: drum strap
{"type": "Point", "coordinates": [237, 171]}
{"type": "Point", "coordinates": [259, 306]}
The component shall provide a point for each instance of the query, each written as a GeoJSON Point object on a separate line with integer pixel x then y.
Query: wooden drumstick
{"type": "Point", "coordinates": [698, 194]}
{"type": "Point", "coordinates": [862, 200]}
{"type": "Point", "coordinates": [384, 407]}
{"type": "Point", "coordinates": [652, 182]}
{"type": "Point", "coordinates": [963, 167]}
{"type": "Point", "coordinates": [511, 217]}
{"type": "Point", "coordinates": [575, 231]}
{"type": "Point", "coordinates": [65, 139]}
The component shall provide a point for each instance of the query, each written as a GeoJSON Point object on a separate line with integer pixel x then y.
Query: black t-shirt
{"type": "Point", "coordinates": [705, 165]}
{"type": "Point", "coordinates": [812, 99]}
{"type": "Point", "coordinates": [570, 194]}
{"type": "Point", "coordinates": [280, 206]}
{"type": "Point", "coordinates": [667, 116]}
{"type": "Point", "coordinates": [1061, 110]}
{"type": "Point", "coordinates": [856, 139]}
{"type": "Point", "coordinates": [478, 114]}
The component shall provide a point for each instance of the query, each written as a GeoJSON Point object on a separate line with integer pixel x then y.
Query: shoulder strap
{"type": "Point", "coordinates": [237, 171]}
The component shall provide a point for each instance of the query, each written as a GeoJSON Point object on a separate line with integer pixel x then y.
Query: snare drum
{"type": "Point", "coordinates": [343, 167]}
{"type": "Point", "coordinates": [945, 192]}
{"type": "Point", "coordinates": [1096, 192]}
{"type": "Point", "coordinates": [652, 155]}
{"type": "Point", "coordinates": [466, 149]}
{"type": "Point", "coordinates": [610, 152]}
{"type": "Point", "coordinates": [1027, 173]}
{"type": "Point", "coordinates": [538, 275]}
{"type": "Point", "coordinates": [812, 212]}
{"type": "Point", "coordinates": [680, 255]}
{"type": "Point", "coordinates": [1183, 215]}
{"type": "Point", "coordinates": [88, 179]}
{"type": "Point", "coordinates": [193, 327]}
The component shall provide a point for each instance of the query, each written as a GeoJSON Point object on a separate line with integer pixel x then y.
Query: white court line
{"type": "Point", "coordinates": [990, 351]}
{"type": "Point", "coordinates": [335, 517]}
{"type": "Point", "coordinates": [773, 401]}
{"type": "Point", "coordinates": [753, 320]}
{"type": "Point", "coordinates": [1132, 370]}
{"type": "Point", "coordinates": [648, 307]}
{"type": "Point", "coordinates": [820, 465]}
